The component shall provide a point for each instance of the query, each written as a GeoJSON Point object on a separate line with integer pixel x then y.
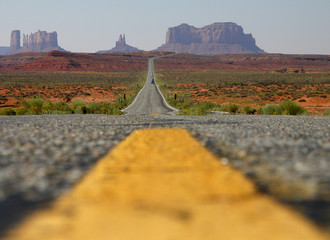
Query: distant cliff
{"type": "Point", "coordinates": [40, 41]}
{"type": "Point", "coordinates": [121, 46]}
{"type": "Point", "coordinates": [217, 38]}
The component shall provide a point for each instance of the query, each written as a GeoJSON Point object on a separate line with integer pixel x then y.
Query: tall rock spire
{"type": "Point", "coordinates": [121, 46]}
{"type": "Point", "coordinates": [15, 41]}
{"type": "Point", "coordinates": [121, 42]}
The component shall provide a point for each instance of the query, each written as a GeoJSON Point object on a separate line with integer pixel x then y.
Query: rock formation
{"type": "Point", "coordinates": [15, 41]}
{"type": "Point", "coordinates": [40, 41]}
{"type": "Point", "coordinates": [121, 46]}
{"type": "Point", "coordinates": [217, 38]}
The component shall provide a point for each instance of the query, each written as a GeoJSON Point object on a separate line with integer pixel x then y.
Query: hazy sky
{"type": "Point", "coordinates": [281, 26]}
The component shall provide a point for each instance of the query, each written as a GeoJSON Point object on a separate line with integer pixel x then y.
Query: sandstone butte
{"type": "Point", "coordinates": [217, 38]}
{"type": "Point", "coordinates": [40, 41]}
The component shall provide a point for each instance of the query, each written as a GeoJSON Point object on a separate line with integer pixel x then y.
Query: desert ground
{"type": "Point", "coordinates": [243, 79]}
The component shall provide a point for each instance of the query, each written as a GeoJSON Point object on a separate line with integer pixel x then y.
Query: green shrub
{"type": "Point", "coordinates": [205, 107]}
{"type": "Point", "coordinates": [284, 108]}
{"type": "Point", "coordinates": [62, 107]}
{"type": "Point", "coordinates": [79, 107]}
{"type": "Point", "coordinates": [25, 104]}
{"type": "Point", "coordinates": [93, 108]}
{"type": "Point", "coordinates": [271, 109]}
{"type": "Point", "coordinates": [23, 111]}
{"type": "Point", "coordinates": [36, 105]}
{"type": "Point", "coordinates": [7, 112]}
{"type": "Point", "coordinates": [292, 108]}
{"type": "Point", "coordinates": [260, 110]}
{"type": "Point", "coordinates": [78, 104]}
{"type": "Point", "coordinates": [248, 109]}
{"type": "Point", "coordinates": [326, 112]}
{"type": "Point", "coordinates": [47, 107]}
{"type": "Point", "coordinates": [232, 108]}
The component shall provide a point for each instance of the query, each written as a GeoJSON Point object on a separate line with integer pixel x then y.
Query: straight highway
{"type": "Point", "coordinates": [149, 100]}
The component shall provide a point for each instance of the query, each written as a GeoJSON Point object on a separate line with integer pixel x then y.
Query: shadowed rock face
{"type": "Point", "coordinates": [40, 41]}
{"type": "Point", "coordinates": [217, 38]}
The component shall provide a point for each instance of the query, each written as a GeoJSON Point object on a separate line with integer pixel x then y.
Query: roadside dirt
{"type": "Point", "coordinates": [11, 96]}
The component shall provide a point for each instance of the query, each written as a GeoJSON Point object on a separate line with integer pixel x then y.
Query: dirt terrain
{"type": "Point", "coordinates": [237, 78]}
{"type": "Point", "coordinates": [248, 79]}
{"type": "Point", "coordinates": [60, 61]}
{"type": "Point", "coordinates": [19, 59]}
{"type": "Point", "coordinates": [69, 93]}
{"type": "Point", "coordinates": [264, 62]}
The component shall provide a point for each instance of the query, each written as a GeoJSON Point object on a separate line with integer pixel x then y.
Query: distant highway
{"type": "Point", "coordinates": [149, 100]}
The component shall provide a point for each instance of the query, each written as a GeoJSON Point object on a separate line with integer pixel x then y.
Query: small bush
{"type": "Point", "coordinates": [232, 108]}
{"type": "Point", "coordinates": [47, 107]}
{"type": "Point", "coordinates": [62, 107]}
{"type": "Point", "coordinates": [93, 108]}
{"type": "Point", "coordinates": [205, 107]}
{"type": "Point", "coordinates": [292, 108]}
{"type": "Point", "coordinates": [284, 108]}
{"type": "Point", "coordinates": [79, 107]}
{"type": "Point", "coordinates": [22, 111]}
{"type": "Point", "coordinates": [36, 105]}
{"type": "Point", "coordinates": [8, 112]}
{"type": "Point", "coordinates": [248, 109]}
{"type": "Point", "coordinates": [78, 104]}
{"type": "Point", "coordinates": [326, 112]}
{"type": "Point", "coordinates": [271, 109]}
{"type": "Point", "coordinates": [260, 110]}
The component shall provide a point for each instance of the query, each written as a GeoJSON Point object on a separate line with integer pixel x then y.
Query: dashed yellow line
{"type": "Point", "coordinates": [162, 184]}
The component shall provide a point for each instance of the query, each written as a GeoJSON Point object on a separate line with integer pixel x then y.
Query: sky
{"type": "Point", "coordinates": [281, 26]}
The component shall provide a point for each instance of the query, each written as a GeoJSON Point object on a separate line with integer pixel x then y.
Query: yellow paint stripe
{"type": "Point", "coordinates": [162, 184]}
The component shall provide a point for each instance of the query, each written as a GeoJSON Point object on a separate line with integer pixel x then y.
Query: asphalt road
{"type": "Point", "coordinates": [42, 157]}
{"type": "Point", "coordinates": [149, 100]}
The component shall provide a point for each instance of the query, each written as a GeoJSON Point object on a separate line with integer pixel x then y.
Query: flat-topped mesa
{"type": "Point", "coordinates": [40, 41]}
{"type": "Point", "coordinates": [217, 38]}
{"type": "Point", "coordinates": [121, 46]}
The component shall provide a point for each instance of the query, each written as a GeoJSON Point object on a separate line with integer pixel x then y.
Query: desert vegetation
{"type": "Point", "coordinates": [66, 93]}
{"type": "Point", "coordinates": [248, 92]}
{"type": "Point", "coordinates": [39, 106]}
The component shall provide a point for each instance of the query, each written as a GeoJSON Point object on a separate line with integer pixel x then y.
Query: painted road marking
{"type": "Point", "coordinates": [162, 184]}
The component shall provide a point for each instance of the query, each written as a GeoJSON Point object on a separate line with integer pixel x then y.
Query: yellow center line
{"type": "Point", "coordinates": [162, 184]}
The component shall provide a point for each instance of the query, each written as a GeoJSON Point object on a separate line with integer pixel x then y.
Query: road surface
{"type": "Point", "coordinates": [149, 100]}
